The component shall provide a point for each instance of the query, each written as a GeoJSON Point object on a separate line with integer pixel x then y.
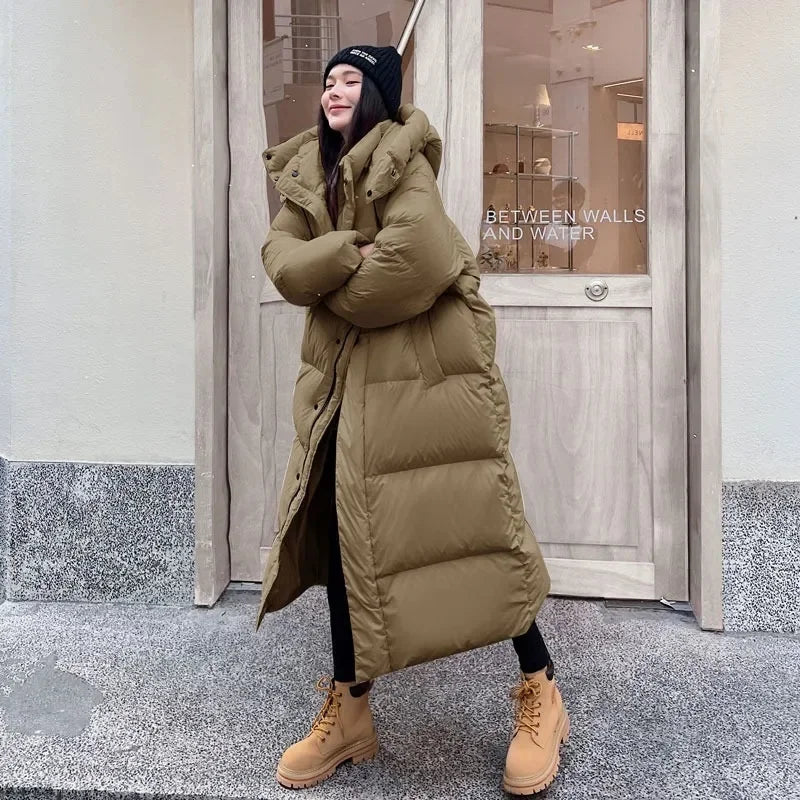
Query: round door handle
{"type": "Point", "coordinates": [596, 290]}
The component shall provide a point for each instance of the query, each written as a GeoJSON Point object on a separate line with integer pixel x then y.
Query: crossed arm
{"type": "Point", "coordinates": [412, 262]}
{"type": "Point", "coordinates": [304, 269]}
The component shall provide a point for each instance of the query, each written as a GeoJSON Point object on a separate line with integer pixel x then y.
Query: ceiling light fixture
{"type": "Point", "coordinates": [622, 83]}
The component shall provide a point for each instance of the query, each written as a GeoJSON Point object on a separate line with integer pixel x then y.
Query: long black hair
{"type": "Point", "coordinates": [369, 111]}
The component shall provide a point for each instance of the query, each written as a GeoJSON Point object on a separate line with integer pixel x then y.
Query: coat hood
{"type": "Point", "coordinates": [295, 165]}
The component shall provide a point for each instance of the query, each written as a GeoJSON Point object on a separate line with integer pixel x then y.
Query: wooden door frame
{"type": "Point", "coordinates": [446, 80]}
{"type": "Point", "coordinates": [703, 309]}
{"type": "Point", "coordinates": [211, 244]}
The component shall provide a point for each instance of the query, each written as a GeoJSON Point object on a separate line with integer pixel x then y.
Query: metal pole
{"type": "Point", "coordinates": [409, 28]}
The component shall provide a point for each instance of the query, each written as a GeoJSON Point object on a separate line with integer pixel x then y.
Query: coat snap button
{"type": "Point", "coordinates": [295, 173]}
{"type": "Point", "coordinates": [316, 406]}
{"type": "Point", "coordinates": [369, 193]}
{"type": "Point", "coordinates": [297, 476]}
{"type": "Point", "coordinates": [338, 341]}
{"type": "Point", "coordinates": [269, 156]}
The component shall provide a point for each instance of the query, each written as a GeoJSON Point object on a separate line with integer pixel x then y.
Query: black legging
{"type": "Point", "coordinates": [530, 647]}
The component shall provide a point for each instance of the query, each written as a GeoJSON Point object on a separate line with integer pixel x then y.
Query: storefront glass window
{"type": "Point", "coordinates": [564, 136]}
{"type": "Point", "coordinates": [299, 37]}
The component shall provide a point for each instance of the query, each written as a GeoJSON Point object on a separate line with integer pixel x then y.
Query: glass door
{"type": "Point", "coordinates": [564, 143]}
{"type": "Point", "coordinates": [299, 38]}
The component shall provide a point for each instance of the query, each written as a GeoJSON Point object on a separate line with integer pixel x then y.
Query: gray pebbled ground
{"type": "Point", "coordinates": [132, 700]}
{"type": "Point", "coordinates": [761, 555]}
{"type": "Point", "coordinates": [97, 532]}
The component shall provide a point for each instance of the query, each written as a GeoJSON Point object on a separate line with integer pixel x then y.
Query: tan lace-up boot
{"type": "Point", "coordinates": [341, 730]}
{"type": "Point", "coordinates": [541, 724]}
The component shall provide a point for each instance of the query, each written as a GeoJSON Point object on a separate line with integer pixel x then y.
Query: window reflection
{"type": "Point", "coordinates": [564, 136]}
{"type": "Point", "coordinates": [299, 37]}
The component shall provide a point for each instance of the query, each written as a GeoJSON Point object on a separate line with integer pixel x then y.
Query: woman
{"type": "Point", "coordinates": [400, 495]}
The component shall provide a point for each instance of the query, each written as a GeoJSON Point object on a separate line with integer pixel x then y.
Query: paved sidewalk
{"type": "Point", "coordinates": [190, 702]}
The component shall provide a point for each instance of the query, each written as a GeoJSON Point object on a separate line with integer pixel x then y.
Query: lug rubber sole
{"type": "Point", "coordinates": [357, 752]}
{"type": "Point", "coordinates": [531, 784]}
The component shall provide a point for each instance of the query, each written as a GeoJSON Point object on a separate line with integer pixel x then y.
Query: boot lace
{"type": "Point", "coordinates": [328, 715]}
{"type": "Point", "coordinates": [527, 700]}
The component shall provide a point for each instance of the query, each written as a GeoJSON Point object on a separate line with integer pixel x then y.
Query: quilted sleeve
{"type": "Point", "coordinates": [303, 268]}
{"type": "Point", "coordinates": [413, 262]}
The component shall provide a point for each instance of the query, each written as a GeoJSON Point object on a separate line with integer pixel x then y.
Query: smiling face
{"type": "Point", "coordinates": [341, 95]}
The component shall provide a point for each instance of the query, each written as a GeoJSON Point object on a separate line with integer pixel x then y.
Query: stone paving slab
{"type": "Point", "coordinates": [114, 701]}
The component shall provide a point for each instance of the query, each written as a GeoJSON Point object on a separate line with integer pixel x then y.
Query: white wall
{"type": "Point", "coordinates": [760, 240]}
{"type": "Point", "coordinates": [100, 197]}
{"type": "Point", "coordinates": [5, 235]}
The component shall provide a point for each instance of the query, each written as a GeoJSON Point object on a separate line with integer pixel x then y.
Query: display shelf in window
{"type": "Point", "coordinates": [528, 176]}
{"type": "Point", "coordinates": [529, 185]}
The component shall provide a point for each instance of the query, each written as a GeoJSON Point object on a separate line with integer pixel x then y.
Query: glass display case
{"type": "Point", "coordinates": [523, 178]}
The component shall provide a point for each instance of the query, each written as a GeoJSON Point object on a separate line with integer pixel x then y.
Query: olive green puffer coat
{"type": "Point", "coordinates": [437, 555]}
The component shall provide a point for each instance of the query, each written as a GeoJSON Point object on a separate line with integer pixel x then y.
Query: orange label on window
{"type": "Point", "coordinates": [632, 131]}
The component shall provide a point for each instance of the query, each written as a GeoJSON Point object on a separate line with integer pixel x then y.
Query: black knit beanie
{"type": "Point", "coordinates": [383, 64]}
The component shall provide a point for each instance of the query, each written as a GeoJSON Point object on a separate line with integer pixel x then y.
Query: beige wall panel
{"type": "Point", "coordinates": [211, 175]}
{"type": "Point", "coordinates": [463, 134]}
{"type": "Point", "coordinates": [280, 335]}
{"type": "Point", "coordinates": [287, 335]}
{"type": "Point", "coordinates": [582, 455]}
{"type": "Point", "coordinates": [447, 40]}
{"type": "Point", "coordinates": [667, 259]}
{"type": "Point", "coordinates": [573, 577]}
{"type": "Point", "coordinates": [564, 290]}
{"type": "Point", "coordinates": [589, 552]}
{"type": "Point", "coordinates": [704, 278]}
{"type": "Point", "coordinates": [5, 236]}
{"type": "Point", "coordinates": [249, 222]}
{"type": "Point", "coordinates": [431, 65]}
